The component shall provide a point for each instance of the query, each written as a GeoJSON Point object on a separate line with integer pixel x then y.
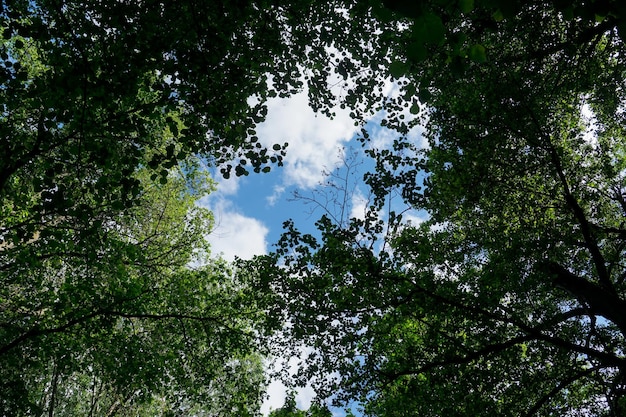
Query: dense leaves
{"type": "Point", "coordinates": [110, 314]}
{"type": "Point", "coordinates": [92, 90]}
{"type": "Point", "coordinates": [509, 299]}
{"type": "Point", "coordinates": [107, 109]}
{"type": "Point", "coordinates": [289, 409]}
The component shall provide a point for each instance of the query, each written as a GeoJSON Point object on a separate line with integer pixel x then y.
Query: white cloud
{"type": "Point", "coordinates": [304, 397]}
{"type": "Point", "coordinates": [276, 394]}
{"type": "Point", "coordinates": [415, 218]}
{"type": "Point", "coordinates": [381, 138]}
{"type": "Point", "coordinates": [591, 125]}
{"type": "Point", "coordinates": [360, 204]}
{"type": "Point", "coordinates": [279, 190]}
{"type": "Point", "coordinates": [277, 391]}
{"type": "Point", "coordinates": [228, 186]}
{"type": "Point", "coordinates": [235, 234]}
{"type": "Point", "coordinates": [313, 138]}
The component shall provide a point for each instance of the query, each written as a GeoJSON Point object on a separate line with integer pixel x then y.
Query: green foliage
{"type": "Point", "coordinates": [509, 299]}
{"type": "Point", "coordinates": [477, 53]}
{"type": "Point", "coordinates": [109, 113]}
{"type": "Point", "coordinates": [88, 87]}
{"type": "Point", "coordinates": [397, 69]}
{"type": "Point", "coordinates": [289, 409]}
{"type": "Point", "coordinates": [123, 311]}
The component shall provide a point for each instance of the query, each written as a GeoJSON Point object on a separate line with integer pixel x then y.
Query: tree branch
{"type": "Point", "coordinates": [607, 359]}
{"type": "Point", "coordinates": [37, 332]}
{"type": "Point", "coordinates": [554, 391]}
{"type": "Point", "coordinates": [459, 360]}
{"type": "Point", "coordinates": [585, 227]}
{"type": "Point", "coordinates": [583, 37]}
{"type": "Point", "coordinates": [601, 301]}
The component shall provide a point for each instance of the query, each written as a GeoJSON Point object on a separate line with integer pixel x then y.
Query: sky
{"type": "Point", "coordinates": [249, 211]}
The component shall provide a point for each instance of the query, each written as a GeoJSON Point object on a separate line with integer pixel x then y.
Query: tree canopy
{"type": "Point", "coordinates": [509, 299]}
{"type": "Point", "coordinates": [111, 111]}
{"type": "Point", "coordinates": [123, 313]}
{"type": "Point", "coordinates": [289, 409]}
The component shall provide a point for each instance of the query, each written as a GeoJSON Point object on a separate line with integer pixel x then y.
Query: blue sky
{"type": "Point", "coordinates": [249, 211]}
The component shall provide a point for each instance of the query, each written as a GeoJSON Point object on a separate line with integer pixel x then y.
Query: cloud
{"type": "Point", "coordinates": [276, 394]}
{"type": "Point", "coordinates": [590, 121]}
{"type": "Point", "coordinates": [278, 191]}
{"type": "Point", "coordinates": [360, 205]}
{"type": "Point", "coordinates": [277, 391]}
{"type": "Point", "coordinates": [382, 138]}
{"type": "Point", "coordinates": [415, 218]}
{"type": "Point", "coordinates": [235, 234]}
{"type": "Point", "coordinates": [228, 186]}
{"type": "Point", "coordinates": [313, 138]}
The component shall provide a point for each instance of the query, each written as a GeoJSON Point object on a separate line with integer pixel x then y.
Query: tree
{"type": "Point", "coordinates": [289, 409]}
{"type": "Point", "coordinates": [492, 305]}
{"type": "Point", "coordinates": [128, 314]}
{"type": "Point", "coordinates": [86, 86]}
{"type": "Point", "coordinates": [105, 106]}
{"type": "Point", "coordinates": [509, 300]}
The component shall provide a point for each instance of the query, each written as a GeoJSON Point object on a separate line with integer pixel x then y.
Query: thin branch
{"type": "Point", "coordinates": [37, 332]}
{"type": "Point", "coordinates": [560, 387]}
{"type": "Point", "coordinates": [619, 196]}
{"type": "Point", "coordinates": [53, 389]}
{"type": "Point", "coordinates": [459, 360]}
{"type": "Point", "coordinates": [585, 227]}
{"type": "Point", "coordinates": [95, 393]}
{"type": "Point", "coordinates": [119, 403]}
{"type": "Point", "coordinates": [583, 37]}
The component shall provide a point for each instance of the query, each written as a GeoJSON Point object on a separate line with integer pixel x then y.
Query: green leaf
{"type": "Point", "coordinates": [477, 53]}
{"type": "Point", "coordinates": [240, 171]}
{"type": "Point", "coordinates": [417, 52]}
{"type": "Point", "coordinates": [424, 95]}
{"type": "Point", "coordinates": [381, 12]}
{"type": "Point", "coordinates": [398, 69]}
{"type": "Point", "coordinates": [429, 28]}
{"type": "Point", "coordinates": [410, 9]}
{"type": "Point", "coordinates": [498, 16]}
{"type": "Point", "coordinates": [174, 129]}
{"type": "Point", "coordinates": [466, 6]}
{"type": "Point", "coordinates": [509, 8]}
{"type": "Point", "coordinates": [568, 13]}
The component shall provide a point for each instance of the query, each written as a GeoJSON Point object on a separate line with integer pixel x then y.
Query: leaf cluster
{"type": "Point", "coordinates": [508, 300]}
